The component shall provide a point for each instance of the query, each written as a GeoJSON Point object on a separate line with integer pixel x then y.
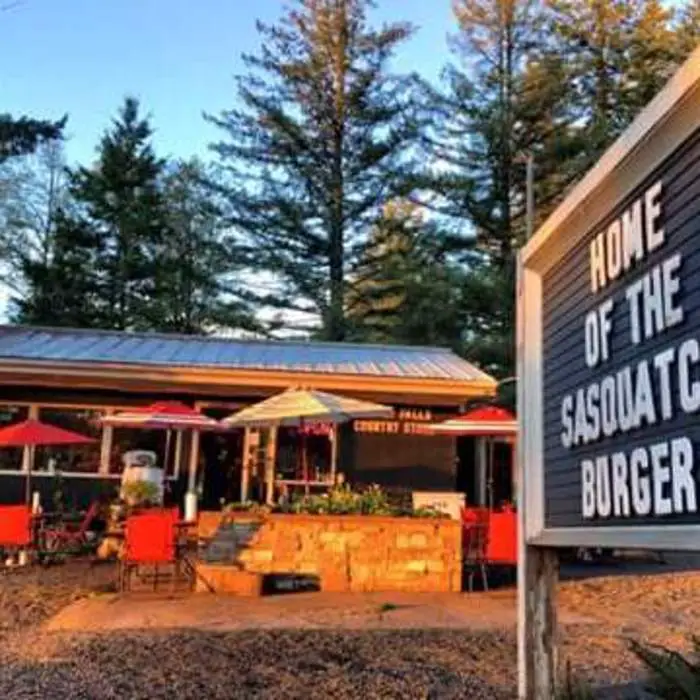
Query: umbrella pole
{"type": "Point", "coordinates": [490, 472]}
{"type": "Point", "coordinates": [334, 452]}
{"type": "Point", "coordinates": [191, 495]}
{"type": "Point", "coordinates": [30, 453]}
{"type": "Point", "coordinates": [304, 461]}
{"type": "Point", "coordinates": [177, 457]}
{"type": "Point", "coordinates": [166, 457]}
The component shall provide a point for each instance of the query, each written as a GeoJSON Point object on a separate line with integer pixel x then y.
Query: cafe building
{"type": "Point", "coordinates": [72, 378]}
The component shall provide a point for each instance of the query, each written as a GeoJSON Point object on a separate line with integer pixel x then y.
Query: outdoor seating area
{"type": "Point", "coordinates": [160, 543]}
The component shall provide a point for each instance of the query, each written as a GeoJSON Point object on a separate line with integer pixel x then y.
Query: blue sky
{"type": "Point", "coordinates": [82, 57]}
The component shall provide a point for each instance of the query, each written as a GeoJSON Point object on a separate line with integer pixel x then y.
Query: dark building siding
{"type": "Point", "coordinates": [416, 462]}
{"type": "Point", "coordinates": [567, 299]}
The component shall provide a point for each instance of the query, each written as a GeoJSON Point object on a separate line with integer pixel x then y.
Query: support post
{"type": "Point", "coordinates": [178, 454]}
{"type": "Point", "coordinates": [537, 623]}
{"type": "Point", "coordinates": [27, 451]}
{"type": "Point", "coordinates": [106, 448]}
{"type": "Point", "coordinates": [245, 466]}
{"type": "Point", "coordinates": [335, 429]}
{"type": "Point", "coordinates": [482, 470]}
{"type": "Point", "coordinates": [270, 463]}
{"type": "Point", "coordinates": [191, 496]}
{"type": "Point", "coordinates": [31, 451]}
{"type": "Point", "coordinates": [166, 456]}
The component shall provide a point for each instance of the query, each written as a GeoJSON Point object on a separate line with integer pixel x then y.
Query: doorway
{"type": "Point", "coordinates": [467, 470]}
{"type": "Point", "coordinates": [502, 476]}
{"type": "Point", "coordinates": [484, 483]}
{"type": "Point", "coordinates": [221, 455]}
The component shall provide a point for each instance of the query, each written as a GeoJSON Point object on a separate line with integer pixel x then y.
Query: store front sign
{"type": "Point", "coordinates": [406, 421]}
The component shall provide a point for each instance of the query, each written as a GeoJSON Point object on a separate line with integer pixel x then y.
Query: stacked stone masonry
{"type": "Point", "coordinates": [347, 552]}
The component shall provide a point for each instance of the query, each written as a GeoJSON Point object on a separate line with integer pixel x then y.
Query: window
{"type": "Point", "coordinates": [71, 458]}
{"type": "Point", "coordinates": [11, 457]}
{"type": "Point", "coordinates": [126, 439]}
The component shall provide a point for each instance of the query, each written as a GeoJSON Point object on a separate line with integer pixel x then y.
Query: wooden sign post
{"type": "Point", "coordinates": [609, 364]}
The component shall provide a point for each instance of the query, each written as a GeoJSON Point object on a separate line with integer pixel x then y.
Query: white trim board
{"type": "Point", "coordinates": [672, 537]}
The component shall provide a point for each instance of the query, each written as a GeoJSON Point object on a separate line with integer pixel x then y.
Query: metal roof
{"type": "Point", "coordinates": [27, 344]}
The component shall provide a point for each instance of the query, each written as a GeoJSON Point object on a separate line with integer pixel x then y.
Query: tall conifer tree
{"type": "Point", "coordinates": [109, 242]}
{"type": "Point", "coordinates": [317, 147]}
{"type": "Point", "coordinates": [197, 287]}
{"type": "Point", "coordinates": [404, 289]}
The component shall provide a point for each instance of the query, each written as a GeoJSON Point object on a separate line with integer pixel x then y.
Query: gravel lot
{"type": "Point", "coordinates": [311, 664]}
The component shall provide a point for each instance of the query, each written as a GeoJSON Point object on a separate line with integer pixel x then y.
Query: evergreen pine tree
{"type": "Point", "coordinates": [119, 199]}
{"type": "Point", "coordinates": [63, 288]}
{"type": "Point", "coordinates": [557, 81]}
{"type": "Point", "coordinates": [504, 99]}
{"type": "Point", "coordinates": [403, 289]}
{"type": "Point", "coordinates": [102, 270]}
{"type": "Point", "coordinates": [619, 53]}
{"type": "Point", "coordinates": [316, 149]}
{"type": "Point", "coordinates": [688, 29]}
{"type": "Point", "coordinates": [20, 136]}
{"type": "Point", "coordinates": [196, 286]}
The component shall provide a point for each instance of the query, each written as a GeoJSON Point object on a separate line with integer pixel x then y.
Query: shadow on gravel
{"type": "Point", "coordinates": [632, 564]}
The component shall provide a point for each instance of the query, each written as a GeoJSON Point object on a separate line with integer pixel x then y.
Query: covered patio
{"type": "Point", "coordinates": [73, 379]}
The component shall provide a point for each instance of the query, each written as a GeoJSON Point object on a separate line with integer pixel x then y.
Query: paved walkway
{"type": "Point", "coordinates": [295, 610]}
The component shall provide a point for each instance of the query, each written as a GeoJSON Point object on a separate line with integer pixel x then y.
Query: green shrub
{"type": "Point", "coordinates": [247, 507]}
{"type": "Point", "coordinates": [672, 675]}
{"type": "Point", "coordinates": [140, 493]}
{"type": "Point", "coordinates": [342, 500]}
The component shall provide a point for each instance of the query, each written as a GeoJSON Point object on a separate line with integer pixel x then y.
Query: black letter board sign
{"type": "Point", "coordinates": [609, 342]}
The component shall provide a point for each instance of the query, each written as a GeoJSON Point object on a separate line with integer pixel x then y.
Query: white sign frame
{"type": "Point", "coordinates": [671, 118]}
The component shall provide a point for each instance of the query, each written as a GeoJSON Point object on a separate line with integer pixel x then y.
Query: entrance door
{"type": "Point", "coordinates": [221, 454]}
{"type": "Point", "coordinates": [502, 476]}
{"type": "Point", "coordinates": [467, 470]}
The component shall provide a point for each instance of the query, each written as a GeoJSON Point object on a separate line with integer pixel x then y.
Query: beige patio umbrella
{"type": "Point", "coordinates": [299, 407]}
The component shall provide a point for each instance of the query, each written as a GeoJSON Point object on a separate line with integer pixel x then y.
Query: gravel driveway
{"type": "Point", "coordinates": [322, 661]}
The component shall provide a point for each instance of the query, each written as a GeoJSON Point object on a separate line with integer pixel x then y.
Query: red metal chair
{"type": "Point", "coordinates": [475, 539]}
{"type": "Point", "coordinates": [16, 527]}
{"type": "Point", "coordinates": [64, 537]}
{"type": "Point", "coordinates": [502, 546]}
{"type": "Point", "coordinates": [150, 539]}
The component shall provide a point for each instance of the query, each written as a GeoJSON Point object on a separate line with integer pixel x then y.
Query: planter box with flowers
{"type": "Point", "coordinates": [350, 541]}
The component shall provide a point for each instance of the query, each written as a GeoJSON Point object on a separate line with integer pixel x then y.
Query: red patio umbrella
{"type": "Point", "coordinates": [166, 415]}
{"type": "Point", "coordinates": [490, 422]}
{"type": "Point", "coordinates": [486, 421]}
{"type": "Point", "coordinates": [31, 433]}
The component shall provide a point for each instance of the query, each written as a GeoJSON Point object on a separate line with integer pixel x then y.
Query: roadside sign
{"type": "Point", "coordinates": [609, 343]}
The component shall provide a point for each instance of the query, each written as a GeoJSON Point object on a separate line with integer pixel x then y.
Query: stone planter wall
{"type": "Point", "coordinates": [346, 553]}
